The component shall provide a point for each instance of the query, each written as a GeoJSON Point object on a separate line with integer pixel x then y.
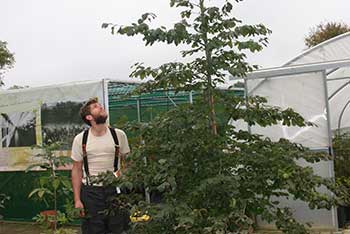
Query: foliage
{"type": "Point", "coordinates": [325, 31]}
{"type": "Point", "coordinates": [47, 220]}
{"type": "Point", "coordinates": [341, 146]}
{"type": "Point", "coordinates": [7, 59]}
{"type": "Point", "coordinates": [239, 85]}
{"type": "Point", "coordinates": [52, 185]}
{"type": "Point", "coordinates": [219, 184]}
{"type": "Point", "coordinates": [212, 177]}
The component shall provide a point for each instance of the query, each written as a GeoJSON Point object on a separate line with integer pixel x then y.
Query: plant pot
{"type": "Point", "coordinates": [49, 216]}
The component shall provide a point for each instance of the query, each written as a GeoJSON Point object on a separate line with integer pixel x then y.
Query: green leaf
{"type": "Point", "coordinates": [56, 183]}
{"type": "Point", "coordinates": [162, 161]}
{"type": "Point", "coordinates": [33, 192]}
{"type": "Point", "coordinates": [41, 193]}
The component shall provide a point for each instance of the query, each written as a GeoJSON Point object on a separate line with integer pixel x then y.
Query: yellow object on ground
{"type": "Point", "coordinates": [137, 217]}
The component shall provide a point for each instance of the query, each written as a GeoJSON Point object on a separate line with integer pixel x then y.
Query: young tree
{"type": "Point", "coordinates": [218, 39]}
{"type": "Point", "coordinates": [213, 177]}
{"type": "Point", "coordinates": [325, 31]}
{"type": "Point", "coordinates": [6, 60]}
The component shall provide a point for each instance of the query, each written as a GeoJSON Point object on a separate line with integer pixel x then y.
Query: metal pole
{"type": "Point", "coordinates": [138, 110]}
{"type": "Point", "coordinates": [147, 194]}
{"type": "Point", "coordinates": [338, 90]}
{"type": "Point", "coordinates": [339, 78]}
{"type": "Point", "coordinates": [38, 126]}
{"type": "Point", "coordinates": [331, 167]}
{"type": "Point", "coordinates": [341, 116]}
{"type": "Point", "coordinates": [171, 100]}
{"type": "Point", "coordinates": [1, 138]}
{"type": "Point", "coordinates": [246, 99]}
{"type": "Point", "coordinates": [327, 112]}
{"type": "Point", "coordinates": [105, 98]}
{"type": "Point", "coordinates": [191, 97]}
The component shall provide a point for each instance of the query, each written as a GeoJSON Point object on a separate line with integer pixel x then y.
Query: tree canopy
{"type": "Point", "coordinates": [7, 59]}
{"type": "Point", "coordinates": [325, 31]}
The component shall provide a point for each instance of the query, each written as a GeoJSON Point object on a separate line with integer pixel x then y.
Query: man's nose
{"type": "Point", "coordinates": [101, 107]}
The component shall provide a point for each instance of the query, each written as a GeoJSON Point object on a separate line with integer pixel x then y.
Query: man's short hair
{"type": "Point", "coordinates": [85, 110]}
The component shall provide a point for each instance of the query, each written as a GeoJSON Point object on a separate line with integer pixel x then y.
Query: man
{"type": "Point", "coordinates": [100, 151]}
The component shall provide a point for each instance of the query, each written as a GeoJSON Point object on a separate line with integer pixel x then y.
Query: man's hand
{"type": "Point", "coordinates": [77, 175]}
{"type": "Point", "coordinates": [79, 205]}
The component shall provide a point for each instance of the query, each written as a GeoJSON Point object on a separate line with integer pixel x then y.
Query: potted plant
{"type": "Point", "coordinates": [52, 185]}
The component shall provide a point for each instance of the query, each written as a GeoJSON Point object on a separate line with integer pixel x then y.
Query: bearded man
{"type": "Point", "coordinates": [97, 150]}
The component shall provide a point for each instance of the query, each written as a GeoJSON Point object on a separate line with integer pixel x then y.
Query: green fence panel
{"type": "Point", "coordinates": [17, 185]}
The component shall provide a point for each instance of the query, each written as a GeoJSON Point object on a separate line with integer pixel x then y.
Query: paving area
{"type": "Point", "coordinates": [24, 228]}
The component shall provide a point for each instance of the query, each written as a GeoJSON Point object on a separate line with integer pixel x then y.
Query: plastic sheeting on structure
{"type": "Point", "coordinates": [305, 94]}
{"type": "Point", "coordinates": [337, 48]}
{"type": "Point", "coordinates": [311, 96]}
{"type": "Point", "coordinates": [34, 116]}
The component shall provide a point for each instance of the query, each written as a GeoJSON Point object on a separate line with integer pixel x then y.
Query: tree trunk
{"type": "Point", "coordinates": [212, 115]}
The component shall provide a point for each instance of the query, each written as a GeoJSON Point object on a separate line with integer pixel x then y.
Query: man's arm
{"type": "Point", "coordinates": [77, 175]}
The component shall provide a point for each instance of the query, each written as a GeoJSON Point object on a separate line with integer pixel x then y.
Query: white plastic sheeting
{"type": "Point", "coordinates": [75, 92]}
{"type": "Point", "coordinates": [21, 123]}
{"type": "Point", "coordinates": [305, 94]}
{"type": "Point", "coordinates": [337, 48]}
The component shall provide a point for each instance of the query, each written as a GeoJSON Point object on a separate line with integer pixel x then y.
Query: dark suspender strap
{"type": "Point", "coordinates": [116, 146]}
{"type": "Point", "coordinates": [85, 160]}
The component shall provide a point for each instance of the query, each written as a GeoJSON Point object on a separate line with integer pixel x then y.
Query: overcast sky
{"type": "Point", "coordinates": [59, 41]}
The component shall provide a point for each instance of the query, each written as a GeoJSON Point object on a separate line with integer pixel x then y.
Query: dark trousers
{"type": "Point", "coordinates": [96, 201]}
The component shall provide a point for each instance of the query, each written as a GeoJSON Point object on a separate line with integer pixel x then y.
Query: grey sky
{"type": "Point", "coordinates": [62, 41]}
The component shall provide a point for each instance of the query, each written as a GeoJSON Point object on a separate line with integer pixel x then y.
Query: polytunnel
{"type": "Point", "coordinates": [338, 79]}
{"type": "Point", "coordinates": [315, 84]}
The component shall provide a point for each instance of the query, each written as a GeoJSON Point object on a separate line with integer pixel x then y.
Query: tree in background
{"type": "Point", "coordinates": [213, 177]}
{"type": "Point", "coordinates": [325, 31]}
{"type": "Point", "coordinates": [7, 60]}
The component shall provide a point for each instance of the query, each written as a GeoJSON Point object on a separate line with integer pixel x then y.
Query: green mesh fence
{"type": "Point", "coordinates": [144, 107]}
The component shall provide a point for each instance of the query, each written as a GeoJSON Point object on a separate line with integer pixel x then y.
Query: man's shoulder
{"type": "Point", "coordinates": [79, 137]}
{"type": "Point", "coordinates": [119, 131]}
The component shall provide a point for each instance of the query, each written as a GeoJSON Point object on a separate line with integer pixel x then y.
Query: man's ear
{"type": "Point", "coordinates": [89, 117]}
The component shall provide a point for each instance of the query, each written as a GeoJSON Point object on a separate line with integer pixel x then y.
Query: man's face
{"type": "Point", "coordinates": [98, 113]}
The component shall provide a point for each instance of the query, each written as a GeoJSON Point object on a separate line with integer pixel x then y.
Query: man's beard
{"type": "Point", "coordinates": [101, 119]}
